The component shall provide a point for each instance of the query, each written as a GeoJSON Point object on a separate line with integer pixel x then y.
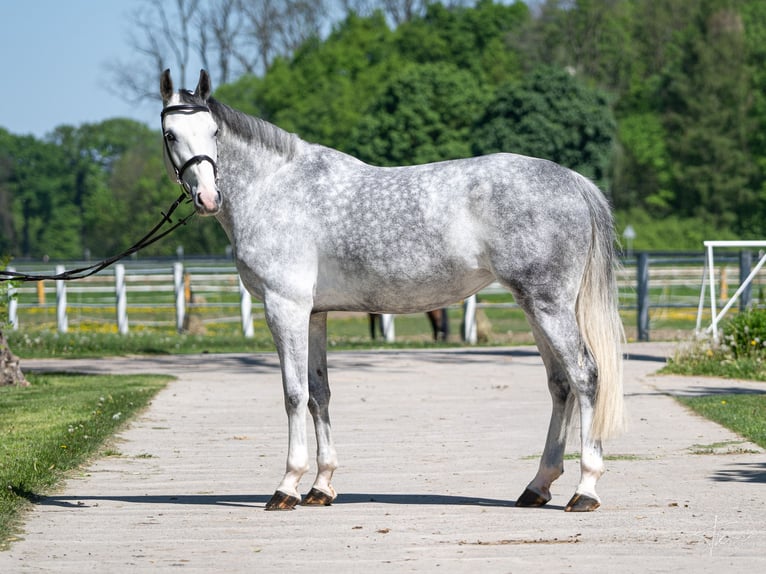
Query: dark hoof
{"type": "Point", "coordinates": [582, 503]}
{"type": "Point", "coordinates": [316, 497]}
{"type": "Point", "coordinates": [282, 501]}
{"type": "Point", "coordinates": [530, 499]}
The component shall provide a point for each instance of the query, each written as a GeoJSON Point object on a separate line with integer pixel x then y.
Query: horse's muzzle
{"type": "Point", "coordinates": [207, 201]}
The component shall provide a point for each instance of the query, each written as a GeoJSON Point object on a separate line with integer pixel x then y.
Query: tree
{"type": "Point", "coordinates": [592, 37]}
{"type": "Point", "coordinates": [324, 90]}
{"type": "Point", "coordinates": [39, 184]}
{"type": "Point", "coordinates": [7, 228]}
{"type": "Point", "coordinates": [228, 37]}
{"type": "Point", "coordinates": [475, 39]}
{"type": "Point", "coordinates": [642, 167]}
{"type": "Point", "coordinates": [424, 114]}
{"type": "Point", "coordinates": [754, 21]}
{"type": "Point", "coordinates": [706, 95]}
{"type": "Point", "coordinates": [551, 114]}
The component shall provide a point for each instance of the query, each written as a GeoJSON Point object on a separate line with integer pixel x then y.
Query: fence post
{"type": "Point", "coordinates": [61, 318]}
{"type": "Point", "coordinates": [246, 310]}
{"type": "Point", "coordinates": [387, 326]}
{"type": "Point", "coordinates": [178, 287]}
{"type": "Point", "coordinates": [745, 263]}
{"type": "Point", "coordinates": [13, 305]}
{"type": "Point", "coordinates": [120, 291]}
{"type": "Point", "coordinates": [469, 320]}
{"type": "Point", "coordinates": [642, 291]}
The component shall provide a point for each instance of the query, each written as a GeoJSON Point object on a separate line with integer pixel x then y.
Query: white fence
{"type": "Point", "coordinates": [166, 294]}
{"type": "Point", "coordinates": [192, 287]}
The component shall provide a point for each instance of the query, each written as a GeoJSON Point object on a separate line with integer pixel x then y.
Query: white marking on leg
{"type": "Point", "coordinates": [591, 458]}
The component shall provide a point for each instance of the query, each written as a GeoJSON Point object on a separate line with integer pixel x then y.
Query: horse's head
{"type": "Point", "coordinates": [191, 150]}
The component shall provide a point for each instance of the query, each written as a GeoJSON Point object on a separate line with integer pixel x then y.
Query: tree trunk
{"type": "Point", "coordinates": [10, 370]}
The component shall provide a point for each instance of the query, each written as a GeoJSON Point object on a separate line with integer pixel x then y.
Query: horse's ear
{"type": "Point", "coordinates": [203, 86]}
{"type": "Point", "coordinates": [166, 85]}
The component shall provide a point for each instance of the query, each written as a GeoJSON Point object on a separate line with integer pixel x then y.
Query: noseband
{"type": "Point", "coordinates": [191, 109]}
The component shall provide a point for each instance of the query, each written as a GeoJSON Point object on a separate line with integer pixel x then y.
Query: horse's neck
{"type": "Point", "coordinates": [243, 168]}
{"type": "Point", "coordinates": [241, 161]}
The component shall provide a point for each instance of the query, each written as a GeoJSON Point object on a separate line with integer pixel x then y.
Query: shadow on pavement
{"type": "Point", "coordinates": [754, 472]}
{"type": "Point", "coordinates": [261, 499]}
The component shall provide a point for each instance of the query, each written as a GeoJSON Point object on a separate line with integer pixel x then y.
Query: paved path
{"type": "Point", "coordinates": [435, 446]}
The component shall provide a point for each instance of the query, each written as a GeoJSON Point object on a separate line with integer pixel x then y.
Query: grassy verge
{"type": "Point", "coordinates": [704, 359]}
{"type": "Point", "coordinates": [53, 426]}
{"type": "Point", "coordinates": [740, 354]}
{"type": "Point", "coordinates": [743, 414]}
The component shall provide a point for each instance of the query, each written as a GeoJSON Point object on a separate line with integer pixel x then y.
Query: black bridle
{"type": "Point", "coordinates": [194, 160]}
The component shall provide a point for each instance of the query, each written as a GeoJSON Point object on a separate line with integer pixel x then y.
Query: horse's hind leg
{"type": "Point", "coordinates": [322, 493]}
{"type": "Point", "coordinates": [572, 376]}
{"type": "Point", "coordinates": [551, 466]}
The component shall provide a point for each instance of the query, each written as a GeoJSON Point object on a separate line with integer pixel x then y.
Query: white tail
{"type": "Point", "coordinates": [599, 319]}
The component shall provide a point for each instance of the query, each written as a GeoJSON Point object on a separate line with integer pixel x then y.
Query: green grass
{"type": "Point", "coordinates": [56, 424]}
{"type": "Point", "coordinates": [745, 414]}
{"type": "Point", "coordinates": [748, 368]}
{"type": "Point", "coordinates": [29, 344]}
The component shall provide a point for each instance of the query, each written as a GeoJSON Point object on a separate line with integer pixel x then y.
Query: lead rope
{"type": "Point", "coordinates": [83, 272]}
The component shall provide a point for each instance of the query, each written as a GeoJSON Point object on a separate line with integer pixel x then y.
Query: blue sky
{"type": "Point", "coordinates": [54, 54]}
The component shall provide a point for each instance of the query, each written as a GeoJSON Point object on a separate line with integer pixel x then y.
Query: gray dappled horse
{"type": "Point", "coordinates": [316, 230]}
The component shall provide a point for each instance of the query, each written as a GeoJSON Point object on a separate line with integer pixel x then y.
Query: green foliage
{"type": "Point", "coordinates": [54, 425]}
{"type": "Point", "coordinates": [741, 353]}
{"type": "Point", "coordinates": [472, 39]}
{"type": "Point", "coordinates": [424, 114]}
{"type": "Point", "coordinates": [553, 115]}
{"type": "Point", "coordinates": [643, 173]}
{"type": "Point", "coordinates": [706, 93]}
{"type": "Point", "coordinates": [745, 334]}
{"type": "Point", "coordinates": [322, 93]}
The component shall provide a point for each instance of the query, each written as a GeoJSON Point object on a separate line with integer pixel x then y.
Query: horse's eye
{"type": "Point", "coordinates": [169, 136]}
{"type": "Point", "coordinates": [215, 135]}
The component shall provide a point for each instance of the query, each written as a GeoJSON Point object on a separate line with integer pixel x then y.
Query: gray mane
{"type": "Point", "coordinates": [247, 127]}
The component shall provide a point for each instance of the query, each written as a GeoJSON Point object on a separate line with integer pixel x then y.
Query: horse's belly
{"type": "Point", "coordinates": [403, 292]}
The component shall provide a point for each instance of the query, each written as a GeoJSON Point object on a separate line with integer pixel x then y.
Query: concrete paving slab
{"type": "Point", "coordinates": [435, 446]}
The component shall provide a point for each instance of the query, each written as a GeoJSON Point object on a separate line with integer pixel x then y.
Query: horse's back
{"type": "Point", "coordinates": [398, 237]}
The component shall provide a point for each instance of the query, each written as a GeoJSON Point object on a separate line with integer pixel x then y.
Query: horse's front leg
{"type": "Point", "coordinates": [289, 321]}
{"type": "Point", "coordinates": [322, 493]}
